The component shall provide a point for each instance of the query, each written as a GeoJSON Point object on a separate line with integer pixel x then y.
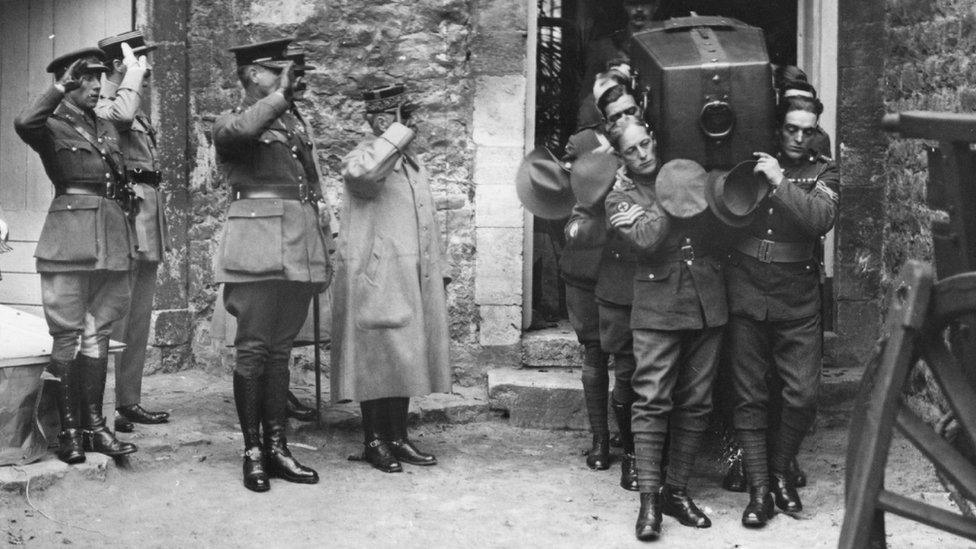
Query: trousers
{"type": "Point", "coordinates": [69, 297]}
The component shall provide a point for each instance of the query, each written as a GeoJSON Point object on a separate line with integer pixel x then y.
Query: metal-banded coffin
{"type": "Point", "coordinates": [707, 87]}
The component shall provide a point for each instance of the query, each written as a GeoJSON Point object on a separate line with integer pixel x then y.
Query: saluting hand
{"type": "Point", "coordinates": [286, 83]}
{"type": "Point", "coordinates": [129, 60]}
{"type": "Point", "coordinates": [70, 80]}
{"type": "Point", "coordinates": [767, 165]}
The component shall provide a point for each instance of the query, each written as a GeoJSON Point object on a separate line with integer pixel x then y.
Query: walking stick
{"type": "Point", "coordinates": [318, 361]}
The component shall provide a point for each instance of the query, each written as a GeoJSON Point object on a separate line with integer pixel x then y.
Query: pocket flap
{"type": "Point", "coordinates": [256, 207]}
{"type": "Point", "coordinates": [75, 202]}
{"type": "Point", "coordinates": [274, 136]}
{"type": "Point", "coordinates": [656, 273]}
{"type": "Point", "coordinates": [74, 145]}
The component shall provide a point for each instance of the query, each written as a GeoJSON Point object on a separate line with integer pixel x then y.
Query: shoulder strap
{"type": "Point", "coordinates": [116, 169]}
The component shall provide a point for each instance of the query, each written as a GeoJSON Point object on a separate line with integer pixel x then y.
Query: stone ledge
{"type": "Point", "coordinates": [49, 471]}
{"type": "Point", "coordinates": [552, 348]}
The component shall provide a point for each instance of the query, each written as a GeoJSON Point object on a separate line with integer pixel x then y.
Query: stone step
{"type": "Point", "coordinates": [553, 398]}
{"type": "Point", "coordinates": [37, 476]}
{"type": "Point", "coordinates": [555, 347]}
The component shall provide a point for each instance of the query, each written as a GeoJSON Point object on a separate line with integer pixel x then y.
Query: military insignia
{"type": "Point", "coordinates": [623, 207]}
{"type": "Point", "coordinates": [822, 188]}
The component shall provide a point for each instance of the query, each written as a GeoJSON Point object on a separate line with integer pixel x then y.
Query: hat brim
{"type": "Point", "coordinates": [143, 50]}
{"type": "Point", "coordinates": [713, 189]}
{"type": "Point", "coordinates": [592, 176]}
{"type": "Point", "coordinates": [672, 184]}
{"type": "Point", "coordinates": [557, 205]}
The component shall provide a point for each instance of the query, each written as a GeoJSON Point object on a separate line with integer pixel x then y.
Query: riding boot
{"type": "Point", "coordinates": [97, 437]}
{"type": "Point", "coordinates": [248, 398]}
{"type": "Point", "coordinates": [298, 410]}
{"type": "Point", "coordinates": [628, 464]}
{"type": "Point", "coordinates": [376, 451]}
{"type": "Point", "coordinates": [595, 387]}
{"type": "Point", "coordinates": [648, 527]}
{"type": "Point", "coordinates": [70, 447]}
{"type": "Point", "coordinates": [280, 463]}
{"type": "Point", "coordinates": [401, 446]}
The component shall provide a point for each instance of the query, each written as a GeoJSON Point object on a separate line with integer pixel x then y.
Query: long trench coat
{"type": "Point", "coordinates": [389, 320]}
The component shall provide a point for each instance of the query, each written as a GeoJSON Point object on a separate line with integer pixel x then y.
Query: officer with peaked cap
{"type": "Point", "coordinates": [120, 102]}
{"type": "Point", "coordinates": [84, 253]}
{"type": "Point", "coordinates": [774, 291]}
{"type": "Point", "coordinates": [265, 152]}
{"type": "Point", "coordinates": [390, 339]}
{"type": "Point", "coordinates": [679, 311]}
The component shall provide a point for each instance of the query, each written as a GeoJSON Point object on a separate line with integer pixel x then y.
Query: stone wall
{"type": "Point", "coordinates": [449, 56]}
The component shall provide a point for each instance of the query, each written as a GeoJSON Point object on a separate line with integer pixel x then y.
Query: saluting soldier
{"type": "Point", "coordinates": [679, 311]}
{"type": "Point", "coordinates": [390, 339]}
{"type": "Point", "coordinates": [84, 253]}
{"type": "Point", "coordinates": [774, 290]}
{"type": "Point", "coordinates": [121, 102]}
{"type": "Point", "coordinates": [272, 256]}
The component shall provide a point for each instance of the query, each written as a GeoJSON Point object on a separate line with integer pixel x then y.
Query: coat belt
{"type": "Point", "coordinates": [147, 177]}
{"type": "Point", "coordinates": [292, 192]}
{"type": "Point", "coordinates": [105, 190]}
{"type": "Point", "coordinates": [770, 251]}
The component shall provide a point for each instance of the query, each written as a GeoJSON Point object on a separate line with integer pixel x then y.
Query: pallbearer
{"type": "Point", "coordinates": [84, 253]}
{"type": "Point", "coordinates": [272, 255]}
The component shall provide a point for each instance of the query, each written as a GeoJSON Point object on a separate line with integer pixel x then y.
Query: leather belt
{"type": "Point", "coordinates": [297, 192]}
{"type": "Point", "coordinates": [105, 190]}
{"type": "Point", "coordinates": [147, 177]}
{"type": "Point", "coordinates": [770, 251]}
{"type": "Point", "coordinates": [686, 253]}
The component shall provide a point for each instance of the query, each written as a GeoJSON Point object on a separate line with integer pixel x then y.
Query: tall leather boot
{"type": "Point", "coordinates": [281, 464]}
{"type": "Point", "coordinates": [248, 398]}
{"type": "Point", "coordinates": [401, 446]}
{"type": "Point", "coordinates": [628, 464]}
{"type": "Point", "coordinates": [595, 385]}
{"type": "Point", "coordinates": [376, 451]}
{"type": "Point", "coordinates": [97, 437]}
{"type": "Point", "coordinates": [70, 447]}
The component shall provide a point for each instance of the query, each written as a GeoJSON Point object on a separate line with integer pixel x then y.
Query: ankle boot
{"type": "Point", "coordinates": [97, 437]}
{"type": "Point", "coordinates": [70, 447]}
{"type": "Point", "coordinates": [281, 464]}
{"type": "Point", "coordinates": [248, 399]}
{"type": "Point", "coordinates": [376, 451]}
{"type": "Point", "coordinates": [648, 527]}
{"type": "Point", "coordinates": [735, 477]}
{"type": "Point", "coordinates": [759, 509]}
{"type": "Point", "coordinates": [598, 456]}
{"type": "Point", "coordinates": [401, 446]}
{"type": "Point", "coordinates": [628, 464]}
{"type": "Point", "coordinates": [786, 496]}
{"type": "Point", "coordinates": [297, 410]}
{"type": "Point", "coordinates": [676, 502]}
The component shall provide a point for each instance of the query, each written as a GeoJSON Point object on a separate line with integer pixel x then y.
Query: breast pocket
{"type": "Point", "coordinates": [253, 239]}
{"type": "Point", "coordinates": [384, 298]}
{"type": "Point", "coordinates": [81, 160]}
{"type": "Point", "coordinates": [70, 230]}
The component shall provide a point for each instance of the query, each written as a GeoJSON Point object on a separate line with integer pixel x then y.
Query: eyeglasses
{"type": "Point", "coordinates": [630, 111]}
{"type": "Point", "coordinates": [793, 130]}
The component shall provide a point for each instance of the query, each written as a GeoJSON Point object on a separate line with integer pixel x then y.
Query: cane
{"type": "Point", "coordinates": [318, 361]}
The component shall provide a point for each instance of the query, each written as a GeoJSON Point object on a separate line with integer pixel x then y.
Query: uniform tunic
{"type": "Point", "coordinates": [84, 252]}
{"type": "Point", "coordinates": [679, 308]}
{"type": "Point", "coordinates": [272, 256]}
{"type": "Point", "coordinates": [775, 305]}
{"type": "Point", "coordinates": [389, 324]}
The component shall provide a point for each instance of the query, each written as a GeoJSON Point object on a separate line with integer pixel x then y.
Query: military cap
{"type": "Point", "coordinates": [298, 57]}
{"type": "Point", "coordinates": [385, 97]}
{"type": "Point", "coordinates": [112, 46]}
{"type": "Point", "coordinates": [592, 177]}
{"type": "Point", "coordinates": [734, 195]}
{"type": "Point", "coordinates": [543, 187]}
{"type": "Point", "coordinates": [270, 54]}
{"type": "Point", "coordinates": [94, 56]}
{"type": "Point", "coordinates": [680, 188]}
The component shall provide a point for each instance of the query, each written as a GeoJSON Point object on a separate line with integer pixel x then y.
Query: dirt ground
{"type": "Point", "coordinates": [495, 486]}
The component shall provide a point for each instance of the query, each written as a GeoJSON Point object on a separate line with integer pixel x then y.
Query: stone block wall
{"type": "Point", "coordinates": [464, 62]}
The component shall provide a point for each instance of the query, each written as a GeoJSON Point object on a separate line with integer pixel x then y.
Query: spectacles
{"type": "Point", "coordinates": [630, 111]}
{"type": "Point", "coordinates": [793, 130]}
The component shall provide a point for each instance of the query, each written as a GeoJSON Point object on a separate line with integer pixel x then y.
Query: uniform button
{"type": "Point", "coordinates": [108, 175]}
{"type": "Point", "coordinates": [74, 148]}
{"type": "Point", "coordinates": [294, 156]}
{"type": "Point", "coordinates": [769, 231]}
{"type": "Point", "coordinates": [100, 140]}
{"type": "Point", "coordinates": [770, 211]}
{"type": "Point", "coordinates": [809, 267]}
{"type": "Point", "coordinates": [651, 276]}
{"type": "Point", "coordinates": [299, 178]}
{"type": "Point", "coordinates": [294, 148]}
{"type": "Point", "coordinates": [69, 206]}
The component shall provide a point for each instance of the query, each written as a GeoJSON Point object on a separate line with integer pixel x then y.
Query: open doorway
{"type": "Point", "coordinates": [564, 28]}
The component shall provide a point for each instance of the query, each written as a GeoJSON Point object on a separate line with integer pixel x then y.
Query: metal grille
{"type": "Point", "coordinates": [556, 78]}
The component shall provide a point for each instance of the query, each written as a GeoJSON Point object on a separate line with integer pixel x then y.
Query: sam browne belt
{"type": "Point", "coordinates": [301, 192]}
{"type": "Point", "coordinates": [770, 251]}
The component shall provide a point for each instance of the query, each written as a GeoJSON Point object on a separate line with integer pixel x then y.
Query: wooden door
{"type": "Point", "coordinates": [32, 33]}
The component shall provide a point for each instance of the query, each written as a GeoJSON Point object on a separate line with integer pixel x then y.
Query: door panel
{"type": "Point", "coordinates": [32, 32]}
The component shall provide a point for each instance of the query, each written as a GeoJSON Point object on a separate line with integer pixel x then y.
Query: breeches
{"type": "Point", "coordinates": [68, 297]}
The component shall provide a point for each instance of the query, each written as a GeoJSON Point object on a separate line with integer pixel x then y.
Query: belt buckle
{"type": "Point", "coordinates": [765, 252]}
{"type": "Point", "coordinates": [688, 253]}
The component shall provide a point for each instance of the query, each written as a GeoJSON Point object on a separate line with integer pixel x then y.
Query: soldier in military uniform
{"type": "Point", "coordinates": [390, 339]}
{"type": "Point", "coordinates": [272, 256]}
{"type": "Point", "coordinates": [679, 311]}
{"type": "Point", "coordinates": [121, 103]}
{"type": "Point", "coordinates": [84, 253]}
{"type": "Point", "coordinates": [774, 290]}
